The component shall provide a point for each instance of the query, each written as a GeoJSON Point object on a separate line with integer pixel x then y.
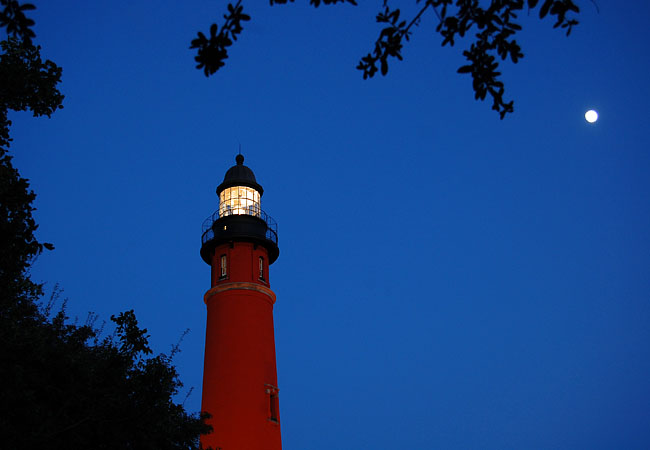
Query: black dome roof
{"type": "Point", "coordinates": [239, 175]}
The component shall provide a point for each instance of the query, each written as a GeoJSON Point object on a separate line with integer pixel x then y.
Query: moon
{"type": "Point", "coordinates": [591, 116]}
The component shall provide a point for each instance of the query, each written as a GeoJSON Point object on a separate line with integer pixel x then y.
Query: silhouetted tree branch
{"type": "Point", "coordinates": [494, 24]}
{"type": "Point", "coordinates": [211, 52]}
{"type": "Point", "coordinates": [13, 19]}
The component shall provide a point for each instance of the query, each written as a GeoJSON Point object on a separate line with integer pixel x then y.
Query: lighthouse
{"type": "Point", "coordinates": [240, 387]}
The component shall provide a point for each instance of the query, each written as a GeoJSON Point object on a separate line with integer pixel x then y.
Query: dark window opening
{"type": "Point", "coordinates": [274, 404]}
{"type": "Point", "coordinates": [261, 268]}
{"type": "Point", "coordinates": [274, 407]}
{"type": "Point", "coordinates": [224, 269]}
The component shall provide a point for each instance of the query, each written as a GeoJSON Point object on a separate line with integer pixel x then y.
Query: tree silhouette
{"type": "Point", "coordinates": [494, 25]}
{"type": "Point", "coordinates": [63, 385]}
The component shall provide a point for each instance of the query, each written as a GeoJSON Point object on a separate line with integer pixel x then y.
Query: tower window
{"type": "Point", "coordinates": [274, 407]}
{"type": "Point", "coordinates": [224, 268]}
{"type": "Point", "coordinates": [261, 267]}
{"type": "Point", "coordinates": [274, 403]}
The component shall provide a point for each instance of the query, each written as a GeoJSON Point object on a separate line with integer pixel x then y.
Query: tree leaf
{"type": "Point", "coordinates": [544, 9]}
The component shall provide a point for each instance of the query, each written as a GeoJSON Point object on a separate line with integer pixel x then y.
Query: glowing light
{"type": "Point", "coordinates": [239, 200]}
{"type": "Point", "coordinates": [591, 116]}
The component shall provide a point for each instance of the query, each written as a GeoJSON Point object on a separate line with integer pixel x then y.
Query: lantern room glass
{"type": "Point", "coordinates": [239, 200]}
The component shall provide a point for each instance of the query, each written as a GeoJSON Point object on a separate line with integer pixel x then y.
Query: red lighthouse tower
{"type": "Point", "coordinates": [240, 387]}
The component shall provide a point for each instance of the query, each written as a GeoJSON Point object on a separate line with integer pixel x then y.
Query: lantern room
{"type": "Point", "coordinates": [239, 200]}
{"type": "Point", "coordinates": [240, 216]}
{"type": "Point", "coordinates": [240, 192]}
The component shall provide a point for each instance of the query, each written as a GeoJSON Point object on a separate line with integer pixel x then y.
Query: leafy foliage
{"type": "Point", "coordinates": [67, 388]}
{"type": "Point", "coordinates": [17, 241]}
{"type": "Point", "coordinates": [495, 38]}
{"type": "Point", "coordinates": [212, 52]}
{"type": "Point", "coordinates": [63, 386]}
{"type": "Point", "coordinates": [26, 83]}
{"type": "Point", "coordinates": [13, 18]}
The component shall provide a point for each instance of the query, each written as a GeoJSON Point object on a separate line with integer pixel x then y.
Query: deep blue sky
{"type": "Point", "coordinates": [445, 280]}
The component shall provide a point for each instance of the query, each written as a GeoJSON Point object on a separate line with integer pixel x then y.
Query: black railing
{"type": "Point", "coordinates": [271, 224]}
